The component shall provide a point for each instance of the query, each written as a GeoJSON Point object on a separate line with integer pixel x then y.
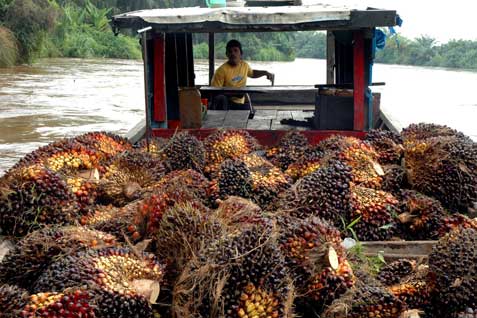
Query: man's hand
{"type": "Point", "coordinates": [271, 77]}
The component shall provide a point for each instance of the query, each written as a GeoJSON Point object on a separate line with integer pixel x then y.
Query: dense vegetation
{"type": "Point", "coordinates": [80, 28]}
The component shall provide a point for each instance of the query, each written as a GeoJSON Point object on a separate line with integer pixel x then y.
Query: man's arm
{"type": "Point", "coordinates": [218, 80]}
{"type": "Point", "coordinates": [259, 73]}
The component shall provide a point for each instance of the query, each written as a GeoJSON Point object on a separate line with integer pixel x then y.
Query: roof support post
{"type": "Point", "coordinates": [211, 56]}
{"type": "Point", "coordinates": [160, 105]}
{"type": "Point", "coordinates": [330, 57]}
{"type": "Point", "coordinates": [359, 91]}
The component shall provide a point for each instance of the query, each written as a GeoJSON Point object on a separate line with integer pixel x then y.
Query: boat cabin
{"type": "Point", "coordinates": [344, 104]}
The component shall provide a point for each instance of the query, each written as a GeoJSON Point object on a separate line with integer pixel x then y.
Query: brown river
{"type": "Point", "coordinates": [56, 98]}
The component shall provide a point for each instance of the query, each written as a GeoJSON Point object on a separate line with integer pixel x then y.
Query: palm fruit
{"type": "Point", "coordinates": [12, 301]}
{"type": "Point", "coordinates": [234, 179]}
{"type": "Point", "coordinates": [453, 262]}
{"type": "Point", "coordinates": [127, 176]}
{"type": "Point", "coordinates": [107, 144]}
{"type": "Point", "coordinates": [72, 303]}
{"type": "Point", "coordinates": [155, 145]}
{"type": "Point", "coordinates": [316, 259]}
{"type": "Point", "coordinates": [366, 301]}
{"type": "Point", "coordinates": [424, 131]}
{"type": "Point", "coordinates": [324, 193]}
{"type": "Point", "coordinates": [289, 149]}
{"type": "Point", "coordinates": [31, 196]}
{"type": "Point", "coordinates": [242, 274]}
{"type": "Point", "coordinates": [376, 211]}
{"type": "Point", "coordinates": [113, 273]}
{"type": "Point", "coordinates": [76, 157]}
{"type": "Point", "coordinates": [267, 180]}
{"type": "Point", "coordinates": [184, 151]}
{"type": "Point", "coordinates": [85, 190]}
{"type": "Point", "coordinates": [455, 222]}
{"type": "Point", "coordinates": [33, 254]}
{"type": "Point", "coordinates": [421, 216]}
{"type": "Point", "coordinates": [306, 164]}
{"type": "Point", "coordinates": [392, 273]}
{"type": "Point", "coordinates": [227, 144]}
{"type": "Point", "coordinates": [444, 168]}
{"type": "Point", "coordinates": [237, 212]}
{"type": "Point", "coordinates": [387, 144]}
{"type": "Point", "coordinates": [360, 156]}
{"type": "Point", "coordinates": [394, 178]}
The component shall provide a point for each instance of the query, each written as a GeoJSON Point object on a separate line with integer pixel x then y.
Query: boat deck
{"type": "Point", "coordinates": [264, 119]}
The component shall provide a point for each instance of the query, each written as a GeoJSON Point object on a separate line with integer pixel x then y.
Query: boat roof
{"type": "Point", "coordinates": [256, 19]}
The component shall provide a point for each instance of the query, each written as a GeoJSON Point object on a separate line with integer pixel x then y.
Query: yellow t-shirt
{"type": "Point", "coordinates": [232, 76]}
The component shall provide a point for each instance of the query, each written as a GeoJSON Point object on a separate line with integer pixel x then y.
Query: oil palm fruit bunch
{"type": "Point", "coordinates": [306, 164]}
{"type": "Point", "coordinates": [424, 131]}
{"type": "Point", "coordinates": [127, 176]}
{"type": "Point", "coordinates": [115, 275]}
{"type": "Point", "coordinates": [420, 216]}
{"type": "Point", "coordinates": [227, 144]}
{"type": "Point", "coordinates": [456, 222]}
{"type": "Point", "coordinates": [453, 262]}
{"type": "Point", "coordinates": [32, 196]}
{"type": "Point", "coordinates": [324, 193]}
{"type": "Point", "coordinates": [394, 178]}
{"type": "Point", "coordinates": [317, 262]}
{"type": "Point", "coordinates": [394, 272]}
{"type": "Point", "coordinates": [85, 190]}
{"type": "Point", "coordinates": [236, 212]}
{"type": "Point", "coordinates": [155, 145]}
{"type": "Point", "coordinates": [74, 158]}
{"type": "Point", "coordinates": [376, 211]}
{"type": "Point", "coordinates": [234, 179]}
{"type": "Point", "coordinates": [444, 168]}
{"type": "Point", "coordinates": [184, 151]}
{"type": "Point", "coordinates": [387, 144]}
{"type": "Point", "coordinates": [12, 301]}
{"type": "Point", "coordinates": [104, 143]}
{"type": "Point", "coordinates": [74, 303]}
{"type": "Point", "coordinates": [267, 180]}
{"type": "Point", "coordinates": [289, 149]}
{"type": "Point", "coordinates": [35, 252]}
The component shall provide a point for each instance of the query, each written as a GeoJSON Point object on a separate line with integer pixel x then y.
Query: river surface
{"type": "Point", "coordinates": [57, 98]}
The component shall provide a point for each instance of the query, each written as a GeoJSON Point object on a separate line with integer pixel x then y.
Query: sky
{"type": "Point", "coordinates": [440, 19]}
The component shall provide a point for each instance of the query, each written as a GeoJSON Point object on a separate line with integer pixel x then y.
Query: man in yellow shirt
{"type": "Point", "coordinates": [234, 73]}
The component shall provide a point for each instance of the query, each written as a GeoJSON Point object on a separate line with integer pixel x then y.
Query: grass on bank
{"type": "Point", "coordinates": [9, 48]}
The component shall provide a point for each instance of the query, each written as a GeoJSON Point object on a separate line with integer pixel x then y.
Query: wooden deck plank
{"type": "Point", "coordinates": [236, 119]}
{"type": "Point", "coordinates": [214, 119]}
{"type": "Point", "coordinates": [301, 115]}
{"type": "Point", "coordinates": [284, 114]}
{"type": "Point", "coordinates": [259, 124]}
{"type": "Point", "coordinates": [265, 114]}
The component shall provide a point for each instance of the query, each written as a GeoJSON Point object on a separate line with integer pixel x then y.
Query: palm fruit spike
{"type": "Point", "coordinates": [393, 272]}
{"type": "Point", "coordinates": [424, 131]}
{"type": "Point", "coordinates": [184, 151]}
{"type": "Point", "coordinates": [234, 179]}
{"type": "Point", "coordinates": [444, 168]}
{"type": "Point", "coordinates": [376, 211]}
{"type": "Point", "coordinates": [107, 144]}
{"type": "Point", "coordinates": [12, 301]}
{"type": "Point", "coordinates": [453, 261]}
{"type": "Point", "coordinates": [33, 254]}
{"type": "Point", "coordinates": [72, 303]}
{"type": "Point", "coordinates": [388, 145]}
{"type": "Point", "coordinates": [306, 164]}
{"type": "Point", "coordinates": [324, 193]}
{"type": "Point", "coordinates": [127, 176]}
{"type": "Point", "coordinates": [421, 216]}
{"type": "Point", "coordinates": [267, 180]}
{"type": "Point", "coordinates": [183, 232]}
{"type": "Point", "coordinates": [317, 262]}
{"type": "Point", "coordinates": [235, 212]}
{"type": "Point", "coordinates": [291, 147]}
{"type": "Point", "coordinates": [394, 179]}
{"type": "Point", "coordinates": [32, 196]}
{"type": "Point", "coordinates": [227, 144]}
{"type": "Point", "coordinates": [455, 222]}
{"type": "Point", "coordinates": [365, 301]}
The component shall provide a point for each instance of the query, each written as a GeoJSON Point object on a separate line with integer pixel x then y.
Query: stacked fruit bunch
{"type": "Point", "coordinates": [84, 189]}
{"type": "Point", "coordinates": [306, 164]}
{"type": "Point", "coordinates": [387, 144]}
{"type": "Point", "coordinates": [12, 301]}
{"type": "Point", "coordinates": [77, 157]}
{"type": "Point", "coordinates": [255, 302]}
{"type": "Point", "coordinates": [234, 179]}
{"type": "Point", "coordinates": [424, 131]}
{"type": "Point", "coordinates": [454, 222]}
{"type": "Point", "coordinates": [289, 149]}
{"type": "Point", "coordinates": [394, 179]}
{"type": "Point", "coordinates": [155, 145]}
{"type": "Point", "coordinates": [227, 144]}
{"type": "Point", "coordinates": [237, 212]}
{"type": "Point", "coordinates": [31, 196]}
{"type": "Point", "coordinates": [184, 151]}
{"type": "Point", "coordinates": [375, 210]}
{"type": "Point", "coordinates": [106, 144]}
{"type": "Point", "coordinates": [395, 271]}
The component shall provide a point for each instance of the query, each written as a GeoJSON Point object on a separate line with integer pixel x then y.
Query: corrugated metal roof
{"type": "Point", "coordinates": [282, 18]}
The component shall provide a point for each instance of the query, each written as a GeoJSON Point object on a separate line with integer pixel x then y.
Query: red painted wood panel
{"type": "Point", "coordinates": [160, 107]}
{"type": "Point", "coordinates": [359, 81]}
{"type": "Point", "coordinates": [265, 137]}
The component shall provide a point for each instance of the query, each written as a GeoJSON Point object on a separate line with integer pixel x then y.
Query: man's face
{"type": "Point", "coordinates": [234, 55]}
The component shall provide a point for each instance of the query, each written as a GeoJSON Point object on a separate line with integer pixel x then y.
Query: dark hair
{"type": "Point", "coordinates": [231, 44]}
